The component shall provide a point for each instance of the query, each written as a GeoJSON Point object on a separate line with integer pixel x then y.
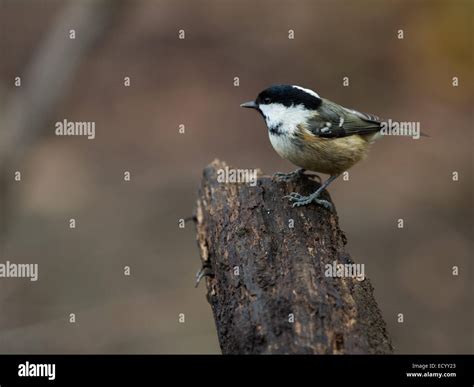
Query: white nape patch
{"type": "Point", "coordinates": [283, 118]}
{"type": "Point", "coordinates": [309, 91]}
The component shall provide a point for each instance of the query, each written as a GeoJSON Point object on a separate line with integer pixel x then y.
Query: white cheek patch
{"type": "Point", "coordinates": [274, 114]}
{"type": "Point", "coordinates": [286, 118]}
{"type": "Point", "coordinates": [309, 91]}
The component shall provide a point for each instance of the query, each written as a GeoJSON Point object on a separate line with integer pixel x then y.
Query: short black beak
{"type": "Point", "coordinates": [250, 105]}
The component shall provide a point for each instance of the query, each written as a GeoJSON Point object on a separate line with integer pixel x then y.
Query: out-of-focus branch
{"type": "Point", "coordinates": [50, 73]}
{"type": "Point", "coordinates": [45, 80]}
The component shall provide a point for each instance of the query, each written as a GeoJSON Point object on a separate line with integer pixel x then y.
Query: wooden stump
{"type": "Point", "coordinates": [268, 290]}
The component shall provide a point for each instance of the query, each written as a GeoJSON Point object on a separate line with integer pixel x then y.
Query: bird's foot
{"type": "Point", "coordinates": [300, 200]}
{"type": "Point", "coordinates": [281, 176]}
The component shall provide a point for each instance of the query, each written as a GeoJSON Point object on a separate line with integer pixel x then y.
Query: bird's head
{"type": "Point", "coordinates": [285, 106]}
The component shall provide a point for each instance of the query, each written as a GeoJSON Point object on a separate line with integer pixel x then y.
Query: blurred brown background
{"type": "Point", "coordinates": [191, 82]}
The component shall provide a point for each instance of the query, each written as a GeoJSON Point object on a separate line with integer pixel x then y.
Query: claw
{"type": "Point", "coordinates": [304, 202]}
{"type": "Point", "coordinates": [300, 200]}
{"type": "Point", "coordinates": [294, 196]}
{"type": "Point", "coordinates": [205, 271]}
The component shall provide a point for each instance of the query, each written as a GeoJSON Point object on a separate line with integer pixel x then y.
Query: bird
{"type": "Point", "coordinates": [315, 134]}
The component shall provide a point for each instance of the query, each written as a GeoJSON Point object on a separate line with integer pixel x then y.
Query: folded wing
{"type": "Point", "coordinates": [334, 120]}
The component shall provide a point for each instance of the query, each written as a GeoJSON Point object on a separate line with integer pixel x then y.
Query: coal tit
{"type": "Point", "coordinates": [315, 134]}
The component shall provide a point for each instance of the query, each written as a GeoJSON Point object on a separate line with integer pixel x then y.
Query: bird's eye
{"type": "Point", "coordinates": [267, 100]}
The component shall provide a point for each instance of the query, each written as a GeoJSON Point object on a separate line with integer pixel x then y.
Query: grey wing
{"type": "Point", "coordinates": [334, 120]}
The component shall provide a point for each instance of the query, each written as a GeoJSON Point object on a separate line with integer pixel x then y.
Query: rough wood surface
{"type": "Point", "coordinates": [265, 272]}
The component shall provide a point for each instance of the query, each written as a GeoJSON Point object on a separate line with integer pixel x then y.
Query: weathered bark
{"type": "Point", "coordinates": [281, 272]}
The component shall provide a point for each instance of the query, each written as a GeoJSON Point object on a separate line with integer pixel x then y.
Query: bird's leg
{"type": "Point", "coordinates": [289, 176]}
{"type": "Point", "coordinates": [300, 200]}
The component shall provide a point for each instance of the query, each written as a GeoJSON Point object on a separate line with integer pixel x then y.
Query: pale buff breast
{"type": "Point", "coordinates": [324, 155]}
